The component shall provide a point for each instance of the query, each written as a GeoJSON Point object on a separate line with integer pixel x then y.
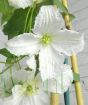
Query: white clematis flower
{"type": "Point", "coordinates": [28, 92]}
{"type": "Point", "coordinates": [20, 3]}
{"type": "Point", "coordinates": [49, 40]}
{"type": "Point", "coordinates": [21, 95]}
{"type": "Point", "coordinates": [13, 77]}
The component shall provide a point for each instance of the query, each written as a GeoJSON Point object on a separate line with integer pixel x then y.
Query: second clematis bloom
{"type": "Point", "coordinates": [50, 40]}
{"type": "Point", "coordinates": [20, 3]}
{"type": "Point", "coordinates": [26, 90]}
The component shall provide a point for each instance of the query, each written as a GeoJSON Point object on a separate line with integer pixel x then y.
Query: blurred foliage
{"type": "Point", "coordinates": [6, 10]}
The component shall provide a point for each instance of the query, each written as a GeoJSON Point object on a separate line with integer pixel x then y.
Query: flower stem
{"type": "Point", "coordinates": [11, 76]}
{"type": "Point", "coordinates": [27, 19]}
{"type": "Point", "coordinates": [2, 62]}
{"type": "Point", "coordinates": [29, 27]}
{"type": "Point", "coordinates": [11, 65]}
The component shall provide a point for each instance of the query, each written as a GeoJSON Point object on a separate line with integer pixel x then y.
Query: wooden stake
{"type": "Point", "coordinates": [54, 99]}
{"type": "Point", "coordinates": [78, 88]}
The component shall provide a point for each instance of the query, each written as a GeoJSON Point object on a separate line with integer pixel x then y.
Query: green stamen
{"type": "Point", "coordinates": [29, 89]}
{"type": "Point", "coordinates": [46, 39]}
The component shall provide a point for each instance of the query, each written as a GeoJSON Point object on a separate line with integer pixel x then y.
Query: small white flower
{"type": "Point", "coordinates": [20, 3]}
{"type": "Point", "coordinates": [49, 40]}
{"type": "Point", "coordinates": [28, 92]}
{"type": "Point", "coordinates": [21, 96]}
{"type": "Point", "coordinates": [14, 77]}
{"type": "Point", "coordinates": [10, 77]}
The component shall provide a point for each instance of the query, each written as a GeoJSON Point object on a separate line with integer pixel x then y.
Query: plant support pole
{"type": "Point", "coordinates": [54, 99]}
{"type": "Point", "coordinates": [78, 89]}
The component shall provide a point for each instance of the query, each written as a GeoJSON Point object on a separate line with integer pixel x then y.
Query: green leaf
{"type": "Point", "coordinates": [76, 77]}
{"type": "Point", "coordinates": [20, 21]}
{"type": "Point", "coordinates": [28, 69]}
{"type": "Point", "coordinates": [16, 24]}
{"type": "Point", "coordinates": [6, 10]}
{"type": "Point", "coordinates": [47, 2]}
{"type": "Point", "coordinates": [71, 16]}
{"type": "Point", "coordinates": [60, 5]}
{"type": "Point", "coordinates": [6, 53]}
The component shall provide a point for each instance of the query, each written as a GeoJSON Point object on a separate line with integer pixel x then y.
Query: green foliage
{"type": "Point", "coordinates": [6, 53]}
{"type": "Point", "coordinates": [10, 57]}
{"type": "Point", "coordinates": [6, 10]}
{"type": "Point", "coordinates": [21, 21]}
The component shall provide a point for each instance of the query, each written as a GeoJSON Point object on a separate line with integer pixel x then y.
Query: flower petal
{"type": "Point", "coordinates": [3, 39]}
{"type": "Point", "coordinates": [22, 75]}
{"type": "Point", "coordinates": [20, 3]}
{"type": "Point", "coordinates": [61, 83]}
{"type": "Point", "coordinates": [48, 20]}
{"type": "Point", "coordinates": [23, 44]}
{"type": "Point", "coordinates": [68, 42]}
{"type": "Point", "coordinates": [2, 65]}
{"type": "Point", "coordinates": [32, 63]}
{"type": "Point", "coordinates": [48, 59]}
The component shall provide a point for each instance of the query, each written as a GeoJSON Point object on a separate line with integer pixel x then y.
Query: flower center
{"type": "Point", "coordinates": [30, 88]}
{"type": "Point", "coordinates": [46, 39]}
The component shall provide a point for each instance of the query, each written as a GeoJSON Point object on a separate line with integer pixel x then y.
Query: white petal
{"type": "Point", "coordinates": [2, 59]}
{"type": "Point", "coordinates": [62, 82]}
{"type": "Point", "coordinates": [48, 20]}
{"type": "Point", "coordinates": [20, 3]}
{"type": "Point", "coordinates": [22, 75]}
{"type": "Point", "coordinates": [3, 39]}
{"type": "Point", "coordinates": [68, 42]}
{"type": "Point", "coordinates": [48, 59]}
{"type": "Point", "coordinates": [24, 44]}
{"type": "Point", "coordinates": [32, 62]}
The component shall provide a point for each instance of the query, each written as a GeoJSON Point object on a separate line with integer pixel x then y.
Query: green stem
{"type": "Point", "coordinates": [27, 19]}
{"type": "Point", "coordinates": [2, 62]}
{"type": "Point", "coordinates": [11, 76]}
{"type": "Point", "coordinates": [19, 65]}
{"type": "Point", "coordinates": [29, 27]}
{"type": "Point", "coordinates": [11, 65]}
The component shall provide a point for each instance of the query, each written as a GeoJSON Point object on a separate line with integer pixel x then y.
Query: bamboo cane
{"type": "Point", "coordinates": [54, 99]}
{"type": "Point", "coordinates": [78, 89]}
